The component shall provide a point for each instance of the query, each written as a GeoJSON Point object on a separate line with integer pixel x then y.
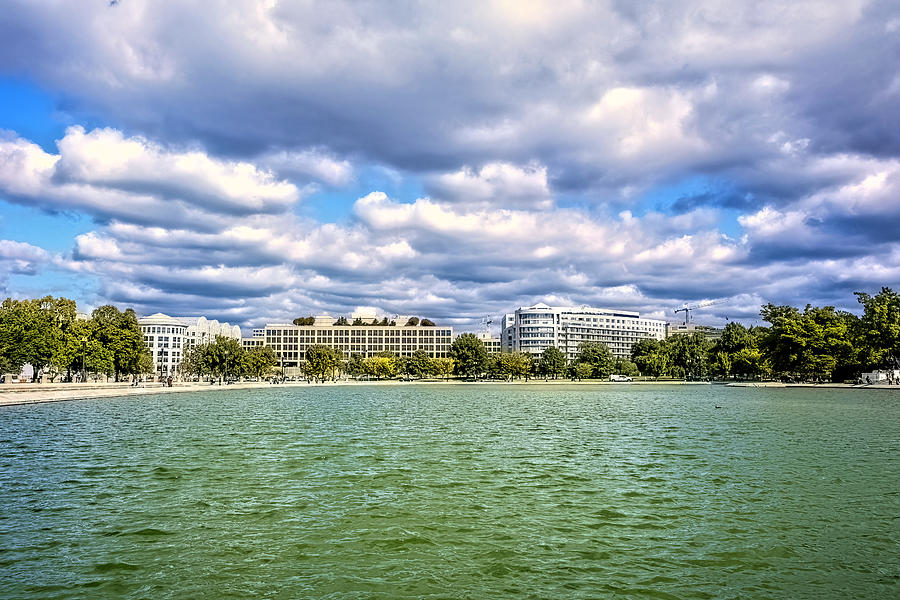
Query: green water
{"type": "Point", "coordinates": [459, 491]}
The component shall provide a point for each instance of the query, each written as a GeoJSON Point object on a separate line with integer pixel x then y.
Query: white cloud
{"type": "Point", "coordinates": [495, 184]}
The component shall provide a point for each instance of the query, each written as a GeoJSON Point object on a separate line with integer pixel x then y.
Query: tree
{"type": "Point", "coordinates": [581, 370]}
{"type": "Point", "coordinates": [427, 323]}
{"type": "Point", "coordinates": [412, 322]}
{"type": "Point", "coordinates": [688, 354]}
{"type": "Point", "coordinates": [355, 366]}
{"type": "Point", "coordinates": [470, 355]}
{"type": "Point", "coordinates": [641, 353]}
{"type": "Point", "coordinates": [626, 367]}
{"type": "Point", "coordinates": [380, 367]}
{"type": "Point", "coordinates": [552, 362]}
{"type": "Point", "coordinates": [31, 331]}
{"type": "Point", "coordinates": [880, 328]}
{"type": "Point", "coordinates": [259, 361]}
{"type": "Point", "coordinates": [598, 356]}
{"type": "Point", "coordinates": [120, 333]}
{"type": "Point", "coordinates": [419, 364]}
{"type": "Point", "coordinates": [748, 363]}
{"type": "Point", "coordinates": [304, 321]}
{"type": "Point", "coordinates": [443, 367]}
{"type": "Point", "coordinates": [321, 361]}
{"type": "Point", "coordinates": [221, 358]}
{"type": "Point", "coordinates": [512, 365]}
{"type": "Point", "coordinates": [341, 321]}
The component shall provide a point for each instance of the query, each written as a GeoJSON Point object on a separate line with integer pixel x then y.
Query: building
{"type": "Point", "coordinates": [493, 345]}
{"type": "Point", "coordinates": [168, 338]}
{"type": "Point", "coordinates": [538, 327]}
{"type": "Point", "coordinates": [711, 333]}
{"type": "Point", "coordinates": [255, 341]}
{"type": "Point", "coordinates": [290, 341]}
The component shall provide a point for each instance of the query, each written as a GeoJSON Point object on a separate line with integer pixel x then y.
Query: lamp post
{"type": "Point", "coordinates": [84, 341]}
{"type": "Point", "coordinates": [225, 366]}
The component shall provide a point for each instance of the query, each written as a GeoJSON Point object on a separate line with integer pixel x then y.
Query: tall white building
{"type": "Point", "coordinates": [168, 338]}
{"type": "Point", "coordinates": [538, 327]}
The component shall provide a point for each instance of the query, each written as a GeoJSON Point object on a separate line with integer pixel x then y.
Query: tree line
{"type": "Point", "coordinates": [359, 322]}
{"type": "Point", "coordinates": [812, 344]}
{"type": "Point", "coordinates": [47, 334]}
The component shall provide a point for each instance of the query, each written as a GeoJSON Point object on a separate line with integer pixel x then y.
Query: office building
{"type": "Point", "coordinates": [290, 341]}
{"type": "Point", "coordinates": [168, 338]}
{"type": "Point", "coordinates": [535, 328]}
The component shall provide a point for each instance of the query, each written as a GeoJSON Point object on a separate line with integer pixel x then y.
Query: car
{"type": "Point", "coordinates": [620, 378]}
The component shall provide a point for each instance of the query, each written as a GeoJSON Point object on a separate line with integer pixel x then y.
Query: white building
{"type": "Point", "coordinates": [290, 341]}
{"type": "Point", "coordinates": [538, 327]}
{"type": "Point", "coordinates": [169, 337]}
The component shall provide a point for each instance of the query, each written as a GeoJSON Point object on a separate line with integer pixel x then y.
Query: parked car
{"type": "Point", "coordinates": [620, 378]}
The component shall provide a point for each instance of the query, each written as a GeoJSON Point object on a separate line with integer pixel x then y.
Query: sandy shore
{"type": "Point", "coordinates": [22, 393]}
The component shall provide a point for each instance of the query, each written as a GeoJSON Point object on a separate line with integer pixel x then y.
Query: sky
{"type": "Point", "coordinates": [255, 160]}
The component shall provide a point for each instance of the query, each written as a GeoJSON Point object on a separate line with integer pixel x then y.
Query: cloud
{"type": "Point", "coordinates": [495, 184]}
{"type": "Point", "coordinates": [542, 140]}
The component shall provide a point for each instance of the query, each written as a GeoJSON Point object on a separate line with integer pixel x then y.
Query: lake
{"type": "Point", "coordinates": [454, 491]}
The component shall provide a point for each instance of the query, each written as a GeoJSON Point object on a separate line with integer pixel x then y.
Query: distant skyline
{"type": "Point", "coordinates": [256, 161]}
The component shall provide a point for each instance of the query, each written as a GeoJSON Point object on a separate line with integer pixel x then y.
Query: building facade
{"type": "Point", "coordinates": [290, 341]}
{"type": "Point", "coordinates": [536, 328]}
{"type": "Point", "coordinates": [493, 345]}
{"type": "Point", "coordinates": [168, 338]}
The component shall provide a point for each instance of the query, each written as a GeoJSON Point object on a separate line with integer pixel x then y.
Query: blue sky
{"type": "Point", "coordinates": [260, 160]}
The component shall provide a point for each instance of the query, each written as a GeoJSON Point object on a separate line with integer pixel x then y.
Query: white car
{"type": "Point", "coordinates": [620, 378]}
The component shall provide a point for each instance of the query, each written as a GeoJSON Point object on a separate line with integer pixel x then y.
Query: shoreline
{"type": "Point", "coordinates": [25, 393]}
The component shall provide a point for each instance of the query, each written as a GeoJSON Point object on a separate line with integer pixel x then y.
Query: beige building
{"type": "Point", "coordinates": [290, 341]}
{"type": "Point", "coordinates": [491, 344]}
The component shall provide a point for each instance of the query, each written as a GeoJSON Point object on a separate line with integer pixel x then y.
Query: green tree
{"type": "Point", "coordinates": [470, 355]}
{"type": "Point", "coordinates": [880, 328]}
{"type": "Point", "coordinates": [427, 323]}
{"type": "Point", "coordinates": [321, 361]}
{"type": "Point", "coordinates": [304, 321]}
{"type": "Point", "coordinates": [443, 367]}
{"type": "Point", "coordinates": [689, 354]}
{"type": "Point", "coordinates": [552, 362]}
{"type": "Point", "coordinates": [581, 370]}
{"type": "Point", "coordinates": [598, 356]}
{"type": "Point", "coordinates": [259, 361]}
{"type": "Point", "coordinates": [419, 364]}
{"type": "Point", "coordinates": [32, 331]}
{"type": "Point", "coordinates": [412, 322]}
{"type": "Point", "coordinates": [120, 333]}
{"type": "Point", "coordinates": [641, 352]}
{"type": "Point", "coordinates": [354, 366]}
{"type": "Point", "coordinates": [626, 367]}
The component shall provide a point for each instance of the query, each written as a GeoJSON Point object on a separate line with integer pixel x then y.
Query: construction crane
{"type": "Point", "coordinates": [486, 323]}
{"type": "Point", "coordinates": [687, 309]}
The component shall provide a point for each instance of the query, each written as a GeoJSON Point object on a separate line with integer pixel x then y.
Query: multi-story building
{"type": "Point", "coordinates": [290, 341]}
{"type": "Point", "coordinates": [493, 345]}
{"type": "Point", "coordinates": [258, 339]}
{"type": "Point", "coordinates": [538, 327]}
{"type": "Point", "coordinates": [168, 338]}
